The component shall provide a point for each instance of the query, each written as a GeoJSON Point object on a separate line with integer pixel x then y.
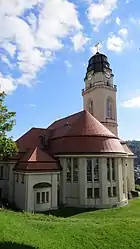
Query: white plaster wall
{"type": "Point", "coordinates": [38, 178]}
{"type": "Point", "coordinates": [20, 193]}
{"type": "Point", "coordinates": [70, 192]}
{"type": "Point", "coordinates": [7, 183]}
{"type": "Point", "coordinates": [11, 182]}
{"type": "Point", "coordinates": [130, 174]}
{"type": "Point", "coordinates": [99, 95]}
{"type": "Point", "coordinates": [76, 194]}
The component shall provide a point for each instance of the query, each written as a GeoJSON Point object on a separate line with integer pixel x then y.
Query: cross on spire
{"type": "Point", "coordinates": [97, 46]}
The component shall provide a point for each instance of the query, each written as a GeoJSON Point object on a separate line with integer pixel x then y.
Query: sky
{"type": "Point", "coordinates": [45, 46]}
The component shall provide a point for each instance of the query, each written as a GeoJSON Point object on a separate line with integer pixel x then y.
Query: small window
{"type": "Point", "coordinates": [91, 107]}
{"type": "Point", "coordinates": [16, 177]}
{"type": "Point", "coordinates": [1, 172]}
{"type": "Point", "coordinates": [108, 169]}
{"type": "Point", "coordinates": [96, 170]}
{"type": "Point", "coordinates": [109, 106]}
{"type": "Point", "coordinates": [43, 197]}
{"type": "Point", "coordinates": [96, 192]}
{"type": "Point", "coordinates": [89, 193]}
{"type": "Point", "coordinates": [107, 83]}
{"type": "Point", "coordinates": [109, 191]}
{"type": "Point", "coordinates": [68, 169]}
{"type": "Point", "coordinates": [47, 197]}
{"type": "Point", "coordinates": [113, 169]}
{"type": "Point", "coordinates": [22, 178]}
{"type": "Point", "coordinates": [89, 170]}
{"type": "Point", "coordinates": [7, 172]}
{"type": "Point", "coordinates": [75, 169]}
{"type": "Point", "coordinates": [38, 198]}
{"type": "Point", "coordinates": [114, 191]}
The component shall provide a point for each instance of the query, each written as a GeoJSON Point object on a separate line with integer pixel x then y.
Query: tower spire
{"type": "Point", "coordinates": [97, 46]}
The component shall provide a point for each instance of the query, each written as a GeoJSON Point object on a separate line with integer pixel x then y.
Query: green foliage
{"type": "Point", "coordinates": [104, 229]}
{"type": "Point", "coordinates": [7, 145]}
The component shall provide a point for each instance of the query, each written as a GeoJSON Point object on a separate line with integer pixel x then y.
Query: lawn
{"type": "Point", "coordinates": [107, 229]}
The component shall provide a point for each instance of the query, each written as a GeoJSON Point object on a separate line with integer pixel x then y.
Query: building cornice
{"type": "Point", "coordinates": [84, 91]}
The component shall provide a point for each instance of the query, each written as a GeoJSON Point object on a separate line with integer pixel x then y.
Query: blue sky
{"type": "Point", "coordinates": [44, 51]}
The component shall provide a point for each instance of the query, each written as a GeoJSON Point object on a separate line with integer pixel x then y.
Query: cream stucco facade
{"type": "Point", "coordinates": [100, 180]}
{"type": "Point", "coordinates": [108, 189]}
{"type": "Point", "coordinates": [99, 98]}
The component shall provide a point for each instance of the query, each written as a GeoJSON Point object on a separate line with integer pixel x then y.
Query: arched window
{"type": "Point", "coordinates": [109, 108]}
{"type": "Point", "coordinates": [90, 107]}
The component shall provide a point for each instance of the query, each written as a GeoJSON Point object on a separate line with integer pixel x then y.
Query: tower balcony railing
{"type": "Point", "coordinates": [91, 86]}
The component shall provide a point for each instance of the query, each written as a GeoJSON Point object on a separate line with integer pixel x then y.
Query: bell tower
{"type": "Point", "coordinates": [99, 93]}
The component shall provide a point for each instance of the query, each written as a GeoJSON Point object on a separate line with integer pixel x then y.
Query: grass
{"type": "Point", "coordinates": [104, 229]}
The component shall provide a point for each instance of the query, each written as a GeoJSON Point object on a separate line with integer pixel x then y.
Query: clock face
{"type": "Point", "coordinates": [107, 74]}
{"type": "Point", "coordinates": [89, 76]}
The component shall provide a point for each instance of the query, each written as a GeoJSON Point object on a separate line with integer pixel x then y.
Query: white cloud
{"type": "Point", "coordinates": [30, 105]}
{"type": "Point", "coordinates": [68, 64]}
{"type": "Point", "coordinates": [6, 85]}
{"type": "Point", "coordinates": [118, 20]}
{"type": "Point", "coordinates": [115, 43]}
{"type": "Point", "coordinates": [10, 48]}
{"type": "Point", "coordinates": [32, 41]}
{"type": "Point", "coordinates": [79, 41]}
{"type": "Point", "coordinates": [132, 103]}
{"type": "Point", "coordinates": [6, 61]}
{"type": "Point", "coordinates": [100, 10]}
{"type": "Point", "coordinates": [123, 32]}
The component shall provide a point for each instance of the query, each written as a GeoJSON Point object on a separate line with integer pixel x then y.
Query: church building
{"type": "Point", "coordinates": [79, 160]}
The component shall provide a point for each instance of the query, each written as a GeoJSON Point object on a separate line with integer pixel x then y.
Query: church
{"type": "Point", "coordinates": [79, 160]}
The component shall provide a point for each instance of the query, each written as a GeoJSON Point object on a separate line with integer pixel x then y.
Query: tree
{"type": "Point", "coordinates": [8, 147]}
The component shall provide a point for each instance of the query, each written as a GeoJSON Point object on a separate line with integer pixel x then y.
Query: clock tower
{"type": "Point", "coordinates": [99, 93]}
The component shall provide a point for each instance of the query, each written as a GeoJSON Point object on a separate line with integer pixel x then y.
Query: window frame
{"type": "Point", "coordinates": [89, 173]}
{"type": "Point", "coordinates": [109, 108]}
{"type": "Point", "coordinates": [2, 172]}
{"type": "Point", "coordinates": [89, 194]}
{"type": "Point", "coordinates": [95, 193]}
{"type": "Point", "coordinates": [109, 192]}
{"type": "Point", "coordinates": [96, 170]}
{"type": "Point", "coordinates": [69, 167]}
{"type": "Point", "coordinates": [75, 169]}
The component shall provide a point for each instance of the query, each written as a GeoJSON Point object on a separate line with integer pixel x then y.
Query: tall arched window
{"type": "Point", "coordinates": [109, 108]}
{"type": "Point", "coordinates": [90, 107]}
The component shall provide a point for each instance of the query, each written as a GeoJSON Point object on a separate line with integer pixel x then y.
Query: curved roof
{"type": "Point", "coordinates": [84, 134]}
{"type": "Point", "coordinates": [126, 148]}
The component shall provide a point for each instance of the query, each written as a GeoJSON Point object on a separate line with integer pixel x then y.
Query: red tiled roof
{"type": "Point", "coordinates": [30, 139]}
{"type": "Point", "coordinates": [81, 123]}
{"type": "Point", "coordinates": [82, 133]}
{"type": "Point", "coordinates": [77, 134]}
{"type": "Point", "coordinates": [126, 148]}
{"type": "Point", "coordinates": [36, 155]}
{"type": "Point", "coordinates": [36, 166]}
{"type": "Point", "coordinates": [37, 159]}
{"type": "Point", "coordinates": [86, 145]}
